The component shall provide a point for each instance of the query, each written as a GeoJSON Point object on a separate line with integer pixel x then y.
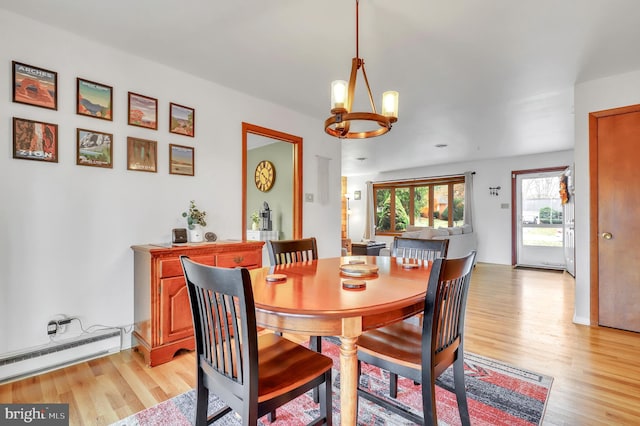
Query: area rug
{"type": "Point", "coordinates": [497, 394]}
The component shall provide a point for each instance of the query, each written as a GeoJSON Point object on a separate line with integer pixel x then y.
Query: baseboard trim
{"type": "Point", "coordinates": [45, 358]}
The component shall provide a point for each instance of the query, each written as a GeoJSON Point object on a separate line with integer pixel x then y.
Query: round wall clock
{"type": "Point", "coordinates": [265, 175]}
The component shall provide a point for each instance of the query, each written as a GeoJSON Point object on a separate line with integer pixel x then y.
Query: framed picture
{"type": "Point", "coordinates": [181, 160]}
{"type": "Point", "coordinates": [35, 86]}
{"type": "Point", "coordinates": [143, 111]}
{"type": "Point", "coordinates": [94, 148]}
{"type": "Point", "coordinates": [94, 99]}
{"type": "Point", "coordinates": [181, 120]}
{"type": "Point", "coordinates": [142, 155]}
{"type": "Point", "coordinates": [35, 140]}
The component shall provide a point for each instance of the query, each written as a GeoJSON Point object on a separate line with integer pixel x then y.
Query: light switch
{"type": "Point", "coordinates": [504, 205]}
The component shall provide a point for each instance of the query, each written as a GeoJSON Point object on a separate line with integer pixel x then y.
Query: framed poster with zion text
{"type": "Point", "coordinates": [94, 99]}
{"type": "Point", "coordinates": [181, 120]}
{"type": "Point", "coordinates": [143, 111]}
{"type": "Point", "coordinates": [35, 86]}
{"type": "Point", "coordinates": [94, 148]}
{"type": "Point", "coordinates": [35, 140]}
{"type": "Point", "coordinates": [181, 160]}
{"type": "Point", "coordinates": [142, 155]}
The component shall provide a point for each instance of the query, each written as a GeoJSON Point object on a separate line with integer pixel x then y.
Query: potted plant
{"type": "Point", "coordinates": [195, 222]}
{"type": "Point", "coordinates": [255, 221]}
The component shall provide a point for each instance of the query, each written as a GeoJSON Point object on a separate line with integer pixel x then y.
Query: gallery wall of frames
{"type": "Point", "coordinates": [37, 140]}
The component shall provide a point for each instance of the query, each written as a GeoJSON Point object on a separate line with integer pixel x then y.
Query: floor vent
{"type": "Point", "coordinates": [50, 357]}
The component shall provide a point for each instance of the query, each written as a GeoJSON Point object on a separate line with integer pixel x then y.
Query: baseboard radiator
{"type": "Point", "coordinates": [41, 359]}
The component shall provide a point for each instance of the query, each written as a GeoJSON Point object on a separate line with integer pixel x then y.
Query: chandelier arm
{"type": "Point", "coordinates": [355, 64]}
{"type": "Point", "coordinates": [366, 82]}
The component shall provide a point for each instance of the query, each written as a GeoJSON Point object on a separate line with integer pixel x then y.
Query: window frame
{"type": "Point", "coordinates": [412, 184]}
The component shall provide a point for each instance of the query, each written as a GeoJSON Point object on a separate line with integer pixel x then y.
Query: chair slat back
{"type": "Point", "coordinates": [418, 248]}
{"type": "Point", "coordinates": [224, 324]}
{"type": "Point", "coordinates": [445, 303]}
{"type": "Point", "coordinates": [290, 251]}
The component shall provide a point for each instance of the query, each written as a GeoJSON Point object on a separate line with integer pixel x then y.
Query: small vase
{"type": "Point", "coordinates": [196, 235]}
{"type": "Point", "coordinates": [254, 226]}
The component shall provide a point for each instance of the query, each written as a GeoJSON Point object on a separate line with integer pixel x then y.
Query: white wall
{"type": "Point", "coordinates": [597, 95]}
{"type": "Point", "coordinates": [66, 230]}
{"type": "Point", "coordinates": [491, 222]}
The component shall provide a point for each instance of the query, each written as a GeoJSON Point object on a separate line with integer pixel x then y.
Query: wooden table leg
{"type": "Point", "coordinates": [351, 329]}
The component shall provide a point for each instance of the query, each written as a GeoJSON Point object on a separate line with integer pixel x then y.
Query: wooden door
{"type": "Point", "coordinates": [615, 222]}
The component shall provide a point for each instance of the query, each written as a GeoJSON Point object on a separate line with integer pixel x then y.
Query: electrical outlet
{"type": "Point", "coordinates": [52, 328]}
{"type": "Point", "coordinates": [59, 324]}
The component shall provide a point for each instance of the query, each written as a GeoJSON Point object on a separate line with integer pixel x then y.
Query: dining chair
{"type": "Point", "coordinates": [282, 252]}
{"type": "Point", "coordinates": [415, 248]}
{"type": "Point", "coordinates": [423, 353]}
{"type": "Point", "coordinates": [290, 251]}
{"type": "Point", "coordinates": [252, 374]}
{"type": "Point", "coordinates": [418, 248]}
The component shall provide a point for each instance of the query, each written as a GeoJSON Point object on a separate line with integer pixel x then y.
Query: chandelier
{"type": "Point", "coordinates": [369, 124]}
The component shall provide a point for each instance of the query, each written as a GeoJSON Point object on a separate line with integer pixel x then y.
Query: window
{"type": "Point", "coordinates": [541, 211]}
{"type": "Point", "coordinates": [420, 202]}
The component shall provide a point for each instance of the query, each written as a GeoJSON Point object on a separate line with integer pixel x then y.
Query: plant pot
{"type": "Point", "coordinates": [196, 235]}
{"type": "Point", "coordinates": [254, 226]}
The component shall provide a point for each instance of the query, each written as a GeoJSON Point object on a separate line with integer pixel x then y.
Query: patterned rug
{"type": "Point", "coordinates": [497, 394]}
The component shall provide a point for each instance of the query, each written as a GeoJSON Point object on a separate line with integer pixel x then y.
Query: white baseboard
{"type": "Point", "coordinates": [41, 359]}
{"type": "Point", "coordinates": [581, 320]}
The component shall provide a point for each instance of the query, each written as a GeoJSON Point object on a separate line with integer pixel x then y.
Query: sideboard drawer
{"type": "Point", "coordinates": [248, 259]}
{"type": "Point", "coordinates": [173, 268]}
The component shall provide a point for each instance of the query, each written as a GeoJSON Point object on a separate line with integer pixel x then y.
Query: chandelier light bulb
{"type": "Point", "coordinates": [390, 104]}
{"type": "Point", "coordinates": [338, 94]}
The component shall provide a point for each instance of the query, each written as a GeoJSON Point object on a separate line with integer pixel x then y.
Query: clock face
{"type": "Point", "coordinates": [265, 175]}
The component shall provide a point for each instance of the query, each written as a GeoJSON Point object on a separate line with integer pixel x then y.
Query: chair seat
{"type": "Point", "coordinates": [398, 343]}
{"type": "Point", "coordinates": [284, 365]}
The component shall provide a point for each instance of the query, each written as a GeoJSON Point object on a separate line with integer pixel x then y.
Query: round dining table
{"type": "Point", "coordinates": [340, 296]}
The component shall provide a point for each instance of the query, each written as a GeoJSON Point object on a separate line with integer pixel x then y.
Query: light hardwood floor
{"type": "Point", "coordinates": [522, 317]}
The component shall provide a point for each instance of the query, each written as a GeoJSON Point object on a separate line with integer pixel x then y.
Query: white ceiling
{"type": "Point", "coordinates": [489, 78]}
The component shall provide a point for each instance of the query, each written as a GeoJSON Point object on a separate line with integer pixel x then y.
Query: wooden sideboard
{"type": "Point", "coordinates": [162, 315]}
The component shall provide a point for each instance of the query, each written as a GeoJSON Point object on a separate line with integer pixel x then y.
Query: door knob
{"type": "Point", "coordinates": [607, 235]}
